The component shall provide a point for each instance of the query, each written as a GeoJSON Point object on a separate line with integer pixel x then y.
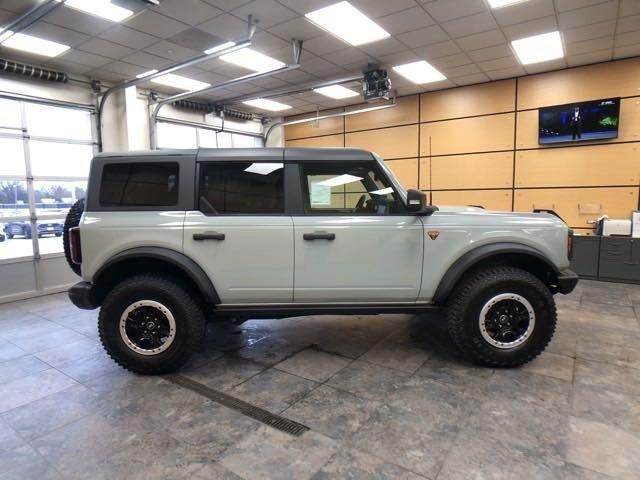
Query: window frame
{"type": "Point", "coordinates": [285, 188]}
{"type": "Point", "coordinates": [375, 166]}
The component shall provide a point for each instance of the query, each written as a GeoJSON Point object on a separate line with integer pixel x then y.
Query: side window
{"type": "Point", "coordinates": [241, 188]}
{"type": "Point", "coordinates": [356, 188]}
{"type": "Point", "coordinates": [139, 185]}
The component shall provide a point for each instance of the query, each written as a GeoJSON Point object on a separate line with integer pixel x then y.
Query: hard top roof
{"type": "Point", "coordinates": [253, 154]}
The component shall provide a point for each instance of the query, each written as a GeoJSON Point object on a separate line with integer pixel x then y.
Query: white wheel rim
{"type": "Point", "coordinates": [498, 316]}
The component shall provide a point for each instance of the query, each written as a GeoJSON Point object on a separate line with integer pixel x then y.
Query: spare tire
{"type": "Point", "coordinates": [72, 220]}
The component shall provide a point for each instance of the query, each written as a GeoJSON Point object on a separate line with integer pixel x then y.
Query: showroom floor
{"type": "Point", "coordinates": [383, 396]}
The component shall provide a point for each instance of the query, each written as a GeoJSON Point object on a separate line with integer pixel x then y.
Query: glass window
{"type": "Point", "coordinates": [224, 140]}
{"type": "Point", "coordinates": [14, 201]}
{"type": "Point", "coordinates": [139, 184]}
{"type": "Point", "coordinates": [12, 154]}
{"type": "Point", "coordinates": [53, 159]}
{"type": "Point", "coordinates": [15, 239]}
{"type": "Point", "coordinates": [10, 114]}
{"type": "Point", "coordinates": [55, 198]}
{"type": "Point", "coordinates": [176, 136]}
{"type": "Point", "coordinates": [207, 138]}
{"type": "Point", "coordinates": [57, 122]}
{"type": "Point", "coordinates": [242, 141]}
{"type": "Point", "coordinates": [242, 187]}
{"type": "Point", "coordinates": [349, 188]}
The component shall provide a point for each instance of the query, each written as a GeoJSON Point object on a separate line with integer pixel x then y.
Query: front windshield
{"type": "Point", "coordinates": [399, 188]}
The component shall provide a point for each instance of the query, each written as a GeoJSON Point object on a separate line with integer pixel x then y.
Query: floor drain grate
{"type": "Point", "coordinates": [275, 421]}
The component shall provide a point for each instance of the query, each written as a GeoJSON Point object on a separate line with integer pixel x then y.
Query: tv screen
{"type": "Point", "coordinates": [578, 122]}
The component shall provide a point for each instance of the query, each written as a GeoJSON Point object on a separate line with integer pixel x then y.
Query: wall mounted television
{"type": "Point", "coordinates": [579, 122]}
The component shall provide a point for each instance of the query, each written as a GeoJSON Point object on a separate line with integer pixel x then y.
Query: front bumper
{"type": "Point", "coordinates": [82, 296]}
{"type": "Point", "coordinates": [567, 281]}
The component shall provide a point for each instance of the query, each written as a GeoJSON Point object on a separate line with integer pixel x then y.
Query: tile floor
{"type": "Point", "coordinates": [385, 397]}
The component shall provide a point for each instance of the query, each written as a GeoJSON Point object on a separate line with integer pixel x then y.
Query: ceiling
{"type": "Point", "coordinates": [467, 41]}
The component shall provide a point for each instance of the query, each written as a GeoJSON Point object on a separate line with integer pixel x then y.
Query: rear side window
{"type": "Point", "coordinates": [139, 185]}
{"type": "Point", "coordinates": [241, 188]}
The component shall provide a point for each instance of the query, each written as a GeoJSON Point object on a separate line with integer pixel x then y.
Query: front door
{"type": "Point", "coordinates": [355, 241]}
{"type": "Point", "coordinates": [240, 234]}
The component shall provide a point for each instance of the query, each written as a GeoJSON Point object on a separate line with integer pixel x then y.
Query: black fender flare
{"type": "Point", "coordinates": [179, 260]}
{"type": "Point", "coordinates": [472, 257]}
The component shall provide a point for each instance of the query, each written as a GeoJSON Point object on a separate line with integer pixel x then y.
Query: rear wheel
{"type": "Point", "coordinates": [151, 324]}
{"type": "Point", "coordinates": [502, 316]}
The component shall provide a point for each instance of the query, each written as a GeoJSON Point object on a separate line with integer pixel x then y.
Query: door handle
{"type": "Point", "coordinates": [208, 236]}
{"type": "Point", "coordinates": [319, 236]}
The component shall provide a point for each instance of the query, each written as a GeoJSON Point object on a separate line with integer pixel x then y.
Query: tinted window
{"type": "Point", "coordinates": [349, 188]}
{"type": "Point", "coordinates": [241, 187]}
{"type": "Point", "coordinates": [139, 185]}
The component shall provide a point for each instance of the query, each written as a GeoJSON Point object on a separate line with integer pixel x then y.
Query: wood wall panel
{"type": "Point", "coordinates": [578, 206]}
{"type": "Point", "coordinates": [611, 164]}
{"type": "Point", "coordinates": [489, 199]}
{"type": "Point", "coordinates": [482, 99]}
{"type": "Point", "coordinates": [325, 142]}
{"type": "Point", "coordinates": [629, 129]}
{"type": "Point", "coordinates": [406, 171]}
{"type": "Point", "coordinates": [468, 135]}
{"type": "Point", "coordinates": [389, 143]}
{"type": "Point", "coordinates": [613, 79]}
{"type": "Point", "coordinates": [405, 112]}
{"type": "Point", "coordinates": [481, 170]}
{"type": "Point", "coordinates": [327, 126]}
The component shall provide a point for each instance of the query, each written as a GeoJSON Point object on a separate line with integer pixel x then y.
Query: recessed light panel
{"type": "Point", "coordinates": [252, 60]}
{"type": "Point", "coordinates": [31, 44]}
{"type": "Point", "coordinates": [419, 72]}
{"type": "Point", "coordinates": [504, 3]}
{"type": "Point", "coordinates": [336, 91]}
{"type": "Point", "coordinates": [266, 104]}
{"type": "Point", "coordinates": [539, 48]}
{"type": "Point", "coordinates": [182, 83]}
{"type": "Point", "coordinates": [347, 23]}
{"type": "Point", "coordinates": [146, 74]}
{"type": "Point", "coordinates": [100, 8]}
{"type": "Point", "coordinates": [217, 48]}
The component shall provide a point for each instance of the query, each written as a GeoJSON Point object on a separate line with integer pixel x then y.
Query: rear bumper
{"type": "Point", "coordinates": [567, 281]}
{"type": "Point", "coordinates": [82, 296]}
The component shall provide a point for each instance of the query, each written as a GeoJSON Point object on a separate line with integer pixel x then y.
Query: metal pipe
{"type": "Point", "coordinates": [187, 63]}
{"type": "Point", "coordinates": [205, 126]}
{"type": "Point", "coordinates": [229, 83]}
{"type": "Point", "coordinates": [329, 115]}
{"type": "Point", "coordinates": [291, 90]}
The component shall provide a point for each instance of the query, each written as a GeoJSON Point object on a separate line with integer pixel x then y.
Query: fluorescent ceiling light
{"type": "Point", "coordinates": [347, 23]}
{"type": "Point", "coordinates": [183, 83]}
{"type": "Point", "coordinates": [335, 91]}
{"type": "Point", "coordinates": [266, 104]}
{"type": "Point", "coordinates": [504, 3]}
{"type": "Point", "coordinates": [382, 191]}
{"type": "Point", "coordinates": [100, 8]}
{"type": "Point", "coordinates": [31, 44]}
{"type": "Point", "coordinates": [340, 180]}
{"type": "Point", "coordinates": [539, 48]}
{"type": "Point", "coordinates": [217, 48]}
{"type": "Point", "coordinates": [252, 60]}
{"type": "Point", "coordinates": [263, 168]}
{"type": "Point", "coordinates": [419, 72]}
{"type": "Point", "coordinates": [146, 74]}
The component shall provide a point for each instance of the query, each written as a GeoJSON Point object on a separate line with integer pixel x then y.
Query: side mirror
{"type": "Point", "coordinates": [417, 203]}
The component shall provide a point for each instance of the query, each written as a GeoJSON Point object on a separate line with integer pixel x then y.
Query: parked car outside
{"type": "Point", "coordinates": [23, 229]}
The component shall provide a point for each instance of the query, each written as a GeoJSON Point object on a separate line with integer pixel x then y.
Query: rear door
{"type": "Point", "coordinates": [240, 234]}
{"type": "Point", "coordinates": [354, 241]}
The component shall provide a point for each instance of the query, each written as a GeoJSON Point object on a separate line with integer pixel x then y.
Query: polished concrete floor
{"type": "Point", "coordinates": [385, 397]}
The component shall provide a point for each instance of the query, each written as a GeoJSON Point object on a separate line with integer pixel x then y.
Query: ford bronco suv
{"type": "Point", "coordinates": [170, 239]}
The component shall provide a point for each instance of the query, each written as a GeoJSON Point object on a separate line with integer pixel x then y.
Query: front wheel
{"type": "Point", "coordinates": [501, 316]}
{"type": "Point", "coordinates": [151, 324]}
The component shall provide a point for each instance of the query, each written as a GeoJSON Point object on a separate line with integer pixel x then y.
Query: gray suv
{"type": "Point", "coordinates": [170, 239]}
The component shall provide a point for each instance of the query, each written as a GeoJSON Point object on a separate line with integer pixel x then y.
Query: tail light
{"type": "Point", "coordinates": [74, 245]}
{"type": "Point", "coordinates": [570, 244]}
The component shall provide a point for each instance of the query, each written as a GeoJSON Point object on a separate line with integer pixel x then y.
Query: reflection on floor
{"type": "Point", "coordinates": [384, 396]}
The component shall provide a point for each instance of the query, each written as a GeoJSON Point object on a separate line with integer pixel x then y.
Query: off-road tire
{"type": "Point", "coordinates": [475, 290]}
{"type": "Point", "coordinates": [184, 305]}
{"type": "Point", "coordinates": [10, 236]}
{"type": "Point", "coordinates": [73, 220]}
